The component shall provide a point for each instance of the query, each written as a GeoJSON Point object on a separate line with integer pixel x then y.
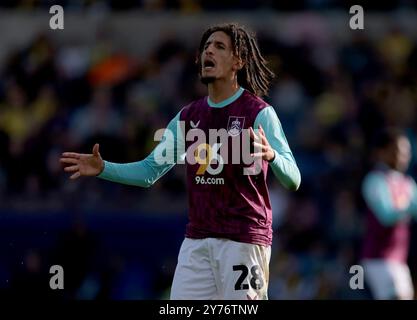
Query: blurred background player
{"type": "Point", "coordinates": [391, 197]}
{"type": "Point", "coordinates": [227, 246]}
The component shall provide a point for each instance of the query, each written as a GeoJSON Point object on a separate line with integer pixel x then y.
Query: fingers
{"type": "Point", "coordinates": [262, 135]}
{"type": "Point", "coordinates": [75, 175]}
{"type": "Point", "coordinates": [258, 154]}
{"type": "Point", "coordinates": [261, 130]}
{"type": "Point", "coordinates": [69, 160]}
{"type": "Point", "coordinates": [263, 145]}
{"type": "Point", "coordinates": [95, 150]}
{"type": "Point", "coordinates": [253, 134]}
{"type": "Point", "coordinates": [262, 149]}
{"type": "Point", "coordinates": [71, 168]}
{"type": "Point", "coordinates": [71, 155]}
{"type": "Point", "coordinates": [74, 169]}
{"type": "Point", "coordinates": [260, 146]}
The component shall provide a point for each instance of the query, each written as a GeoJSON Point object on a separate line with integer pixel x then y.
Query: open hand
{"type": "Point", "coordinates": [262, 147]}
{"type": "Point", "coordinates": [80, 164]}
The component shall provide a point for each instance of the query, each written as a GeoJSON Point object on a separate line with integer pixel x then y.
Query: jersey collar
{"type": "Point", "coordinates": [227, 101]}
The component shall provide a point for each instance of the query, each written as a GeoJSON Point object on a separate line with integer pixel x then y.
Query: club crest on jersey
{"type": "Point", "coordinates": [235, 125]}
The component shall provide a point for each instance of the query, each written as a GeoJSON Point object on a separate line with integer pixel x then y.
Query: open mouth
{"type": "Point", "coordinates": [208, 64]}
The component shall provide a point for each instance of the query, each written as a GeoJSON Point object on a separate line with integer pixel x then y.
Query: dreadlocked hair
{"type": "Point", "coordinates": [254, 76]}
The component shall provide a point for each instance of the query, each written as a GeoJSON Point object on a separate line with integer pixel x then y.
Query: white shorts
{"type": "Point", "coordinates": [216, 269]}
{"type": "Point", "coordinates": [388, 279]}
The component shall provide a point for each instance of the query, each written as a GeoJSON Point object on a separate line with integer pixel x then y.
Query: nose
{"type": "Point", "coordinates": [209, 49]}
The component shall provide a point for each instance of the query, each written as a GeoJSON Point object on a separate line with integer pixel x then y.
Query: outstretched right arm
{"type": "Point", "coordinates": [142, 173]}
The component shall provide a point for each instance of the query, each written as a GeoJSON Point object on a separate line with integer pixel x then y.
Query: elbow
{"type": "Point", "coordinates": [147, 183]}
{"type": "Point", "coordinates": [294, 186]}
{"type": "Point", "coordinates": [295, 183]}
{"type": "Point", "coordinates": [387, 222]}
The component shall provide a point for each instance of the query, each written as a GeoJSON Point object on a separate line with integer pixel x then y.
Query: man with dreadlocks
{"type": "Point", "coordinates": [227, 245]}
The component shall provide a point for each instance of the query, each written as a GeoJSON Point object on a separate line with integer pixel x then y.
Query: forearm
{"type": "Point", "coordinates": [286, 171]}
{"type": "Point", "coordinates": [140, 173]}
{"type": "Point", "coordinates": [283, 166]}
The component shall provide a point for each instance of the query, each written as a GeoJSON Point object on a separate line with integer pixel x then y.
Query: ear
{"type": "Point", "coordinates": [237, 64]}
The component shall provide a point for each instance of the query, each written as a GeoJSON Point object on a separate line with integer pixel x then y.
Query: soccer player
{"type": "Point", "coordinates": [391, 198]}
{"type": "Point", "coordinates": [227, 245]}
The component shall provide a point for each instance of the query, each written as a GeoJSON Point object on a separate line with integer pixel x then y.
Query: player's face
{"type": "Point", "coordinates": [402, 153]}
{"type": "Point", "coordinates": [217, 58]}
{"type": "Point", "coordinates": [398, 155]}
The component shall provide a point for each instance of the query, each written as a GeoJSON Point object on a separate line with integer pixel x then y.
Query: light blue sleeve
{"type": "Point", "coordinates": [146, 172]}
{"type": "Point", "coordinates": [284, 166]}
{"type": "Point", "coordinates": [413, 205]}
{"type": "Point", "coordinates": [378, 198]}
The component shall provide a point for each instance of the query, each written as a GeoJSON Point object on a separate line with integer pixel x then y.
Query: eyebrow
{"type": "Point", "coordinates": [217, 42]}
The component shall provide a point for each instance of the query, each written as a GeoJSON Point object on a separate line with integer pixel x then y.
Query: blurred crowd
{"type": "Point", "coordinates": [187, 6]}
{"type": "Point", "coordinates": [331, 96]}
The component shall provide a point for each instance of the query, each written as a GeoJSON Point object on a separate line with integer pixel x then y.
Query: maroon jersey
{"type": "Point", "coordinates": [382, 242]}
{"type": "Point", "coordinates": [390, 242]}
{"type": "Point", "coordinates": [227, 204]}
